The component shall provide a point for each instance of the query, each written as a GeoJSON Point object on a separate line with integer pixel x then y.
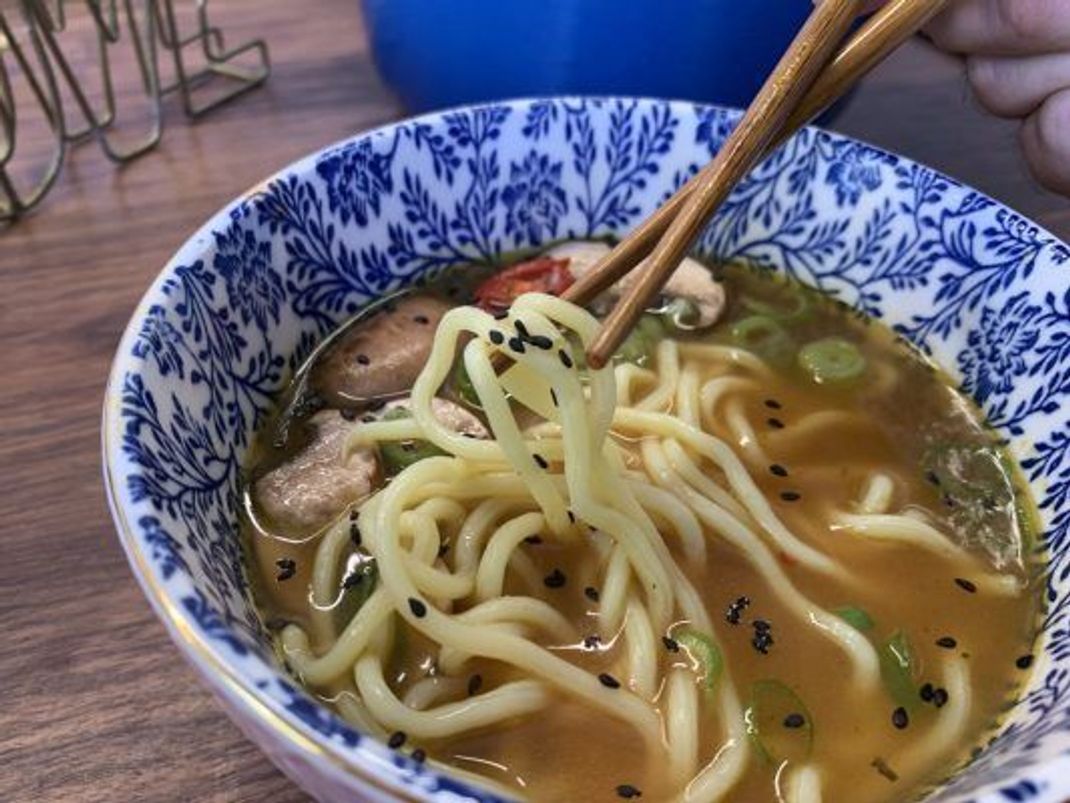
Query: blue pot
{"type": "Point", "coordinates": [438, 53]}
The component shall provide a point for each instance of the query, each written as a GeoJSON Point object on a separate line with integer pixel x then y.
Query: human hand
{"type": "Point", "coordinates": [1018, 64]}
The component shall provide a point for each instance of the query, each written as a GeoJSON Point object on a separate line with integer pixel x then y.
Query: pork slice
{"type": "Point", "coordinates": [450, 414]}
{"type": "Point", "coordinates": [314, 486]}
{"type": "Point", "coordinates": [383, 355]}
{"type": "Point", "coordinates": [691, 279]}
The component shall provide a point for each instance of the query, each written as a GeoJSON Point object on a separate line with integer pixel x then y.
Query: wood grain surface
{"type": "Point", "coordinates": [95, 703]}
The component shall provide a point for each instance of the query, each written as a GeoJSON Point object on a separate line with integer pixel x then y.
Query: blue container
{"type": "Point", "coordinates": [438, 53]}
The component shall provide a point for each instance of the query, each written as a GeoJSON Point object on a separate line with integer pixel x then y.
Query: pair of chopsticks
{"type": "Point", "coordinates": [809, 76]}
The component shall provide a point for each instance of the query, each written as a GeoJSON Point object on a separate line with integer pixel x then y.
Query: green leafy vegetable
{"type": "Point", "coordinates": [462, 384]}
{"type": "Point", "coordinates": [682, 314]}
{"type": "Point", "coordinates": [765, 337]}
{"type": "Point", "coordinates": [399, 455]}
{"type": "Point", "coordinates": [831, 360]}
{"type": "Point", "coordinates": [357, 587]}
{"type": "Point", "coordinates": [976, 485]}
{"type": "Point", "coordinates": [642, 341]}
{"type": "Point", "coordinates": [779, 723]}
{"type": "Point", "coordinates": [855, 617]}
{"type": "Point", "coordinates": [705, 652]}
{"type": "Point", "coordinates": [899, 669]}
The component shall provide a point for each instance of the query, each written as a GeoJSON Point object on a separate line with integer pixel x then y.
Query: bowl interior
{"type": "Point", "coordinates": [252, 292]}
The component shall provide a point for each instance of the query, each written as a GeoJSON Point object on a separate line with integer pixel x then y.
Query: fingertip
{"type": "Point", "coordinates": [1044, 144]}
{"type": "Point", "coordinates": [993, 86]}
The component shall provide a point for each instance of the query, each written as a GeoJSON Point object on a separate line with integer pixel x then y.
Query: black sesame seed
{"type": "Point", "coordinates": [541, 342]}
{"type": "Point", "coordinates": [762, 641]}
{"type": "Point", "coordinates": [496, 337]}
{"type": "Point", "coordinates": [1024, 661]}
{"type": "Point", "coordinates": [571, 516]}
{"type": "Point", "coordinates": [947, 642]}
{"type": "Point", "coordinates": [735, 610]}
{"type": "Point", "coordinates": [502, 315]}
{"type": "Point", "coordinates": [627, 791]}
{"type": "Point", "coordinates": [900, 718]}
{"type": "Point", "coordinates": [396, 740]}
{"type": "Point", "coordinates": [516, 344]}
{"type": "Point", "coordinates": [608, 681]}
{"type": "Point", "coordinates": [533, 539]}
{"type": "Point", "coordinates": [940, 697]}
{"type": "Point", "coordinates": [671, 644]}
{"type": "Point", "coordinates": [540, 461]}
{"type": "Point", "coordinates": [362, 359]}
{"type": "Point", "coordinates": [475, 683]}
{"type": "Point", "coordinates": [423, 320]}
{"type": "Point", "coordinates": [419, 610]}
{"type": "Point", "coordinates": [773, 404]}
{"type": "Point", "coordinates": [591, 642]}
{"type": "Point", "coordinates": [565, 359]}
{"type": "Point", "coordinates": [354, 534]}
{"type": "Point", "coordinates": [762, 626]}
{"type": "Point", "coordinates": [775, 423]}
{"type": "Point", "coordinates": [794, 721]}
{"type": "Point", "coordinates": [354, 514]}
{"type": "Point", "coordinates": [966, 585]}
{"type": "Point", "coordinates": [790, 496]}
{"type": "Point", "coordinates": [419, 755]}
{"type": "Point", "coordinates": [348, 414]}
{"type": "Point", "coordinates": [778, 470]}
{"type": "Point", "coordinates": [553, 397]}
{"type": "Point", "coordinates": [591, 593]}
{"type": "Point", "coordinates": [932, 478]}
{"type": "Point", "coordinates": [287, 569]}
{"type": "Point", "coordinates": [555, 579]}
{"type": "Point", "coordinates": [926, 693]}
{"type": "Point", "coordinates": [521, 329]}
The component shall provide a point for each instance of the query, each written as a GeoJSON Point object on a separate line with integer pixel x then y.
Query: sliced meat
{"type": "Point", "coordinates": [691, 280]}
{"type": "Point", "coordinates": [581, 254]}
{"type": "Point", "coordinates": [450, 414]}
{"type": "Point", "coordinates": [316, 484]}
{"type": "Point", "coordinates": [383, 355]}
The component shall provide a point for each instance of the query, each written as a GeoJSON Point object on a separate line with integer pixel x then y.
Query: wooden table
{"type": "Point", "coordinates": [96, 703]}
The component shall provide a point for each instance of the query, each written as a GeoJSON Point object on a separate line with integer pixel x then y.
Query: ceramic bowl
{"type": "Point", "coordinates": [981, 288]}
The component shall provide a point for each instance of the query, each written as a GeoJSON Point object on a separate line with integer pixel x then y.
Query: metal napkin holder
{"type": "Point", "coordinates": [29, 41]}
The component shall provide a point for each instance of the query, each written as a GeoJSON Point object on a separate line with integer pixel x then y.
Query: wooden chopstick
{"type": "Point", "coordinates": [809, 52]}
{"type": "Point", "coordinates": [882, 33]}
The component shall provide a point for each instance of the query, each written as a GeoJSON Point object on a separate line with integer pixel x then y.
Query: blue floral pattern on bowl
{"type": "Point", "coordinates": [979, 287]}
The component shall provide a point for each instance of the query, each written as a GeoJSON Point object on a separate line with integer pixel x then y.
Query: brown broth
{"type": "Point", "coordinates": [570, 752]}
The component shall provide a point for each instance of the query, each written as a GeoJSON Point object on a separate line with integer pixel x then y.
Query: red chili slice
{"type": "Point", "coordinates": [539, 275]}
